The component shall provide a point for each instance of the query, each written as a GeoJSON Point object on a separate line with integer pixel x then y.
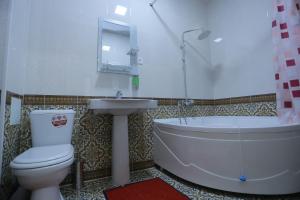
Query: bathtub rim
{"type": "Point", "coordinates": [281, 128]}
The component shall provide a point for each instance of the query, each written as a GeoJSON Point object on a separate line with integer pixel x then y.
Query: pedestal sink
{"type": "Point", "coordinates": [120, 109]}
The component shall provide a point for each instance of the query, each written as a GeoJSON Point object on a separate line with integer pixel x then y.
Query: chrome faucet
{"type": "Point", "coordinates": [182, 106]}
{"type": "Point", "coordinates": [119, 94]}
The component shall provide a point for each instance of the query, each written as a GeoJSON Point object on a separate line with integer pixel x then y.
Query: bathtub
{"type": "Point", "coordinates": [253, 155]}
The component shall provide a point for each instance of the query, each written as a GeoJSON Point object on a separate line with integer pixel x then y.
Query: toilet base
{"type": "Point", "coordinates": [49, 193]}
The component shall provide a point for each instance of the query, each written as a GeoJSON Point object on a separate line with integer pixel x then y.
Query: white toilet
{"type": "Point", "coordinates": [44, 166]}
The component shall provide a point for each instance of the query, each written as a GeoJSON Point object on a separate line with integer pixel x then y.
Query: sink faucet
{"type": "Point", "coordinates": [119, 94]}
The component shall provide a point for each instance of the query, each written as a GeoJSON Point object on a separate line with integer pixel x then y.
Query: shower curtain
{"type": "Point", "coordinates": [286, 40]}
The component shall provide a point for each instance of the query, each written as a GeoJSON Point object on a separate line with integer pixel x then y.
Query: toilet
{"type": "Point", "coordinates": [44, 166]}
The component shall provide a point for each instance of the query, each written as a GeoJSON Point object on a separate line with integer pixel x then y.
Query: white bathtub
{"type": "Point", "coordinates": [217, 152]}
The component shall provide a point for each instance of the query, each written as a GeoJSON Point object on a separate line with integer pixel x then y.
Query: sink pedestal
{"type": "Point", "coordinates": [120, 109]}
{"type": "Point", "coordinates": [120, 151]}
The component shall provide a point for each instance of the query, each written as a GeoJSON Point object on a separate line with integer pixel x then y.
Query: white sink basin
{"type": "Point", "coordinates": [121, 106]}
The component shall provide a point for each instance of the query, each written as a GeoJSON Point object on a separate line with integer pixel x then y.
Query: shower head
{"type": "Point", "coordinates": [204, 34]}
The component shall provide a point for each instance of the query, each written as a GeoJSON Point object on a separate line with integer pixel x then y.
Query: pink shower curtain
{"type": "Point", "coordinates": [286, 40]}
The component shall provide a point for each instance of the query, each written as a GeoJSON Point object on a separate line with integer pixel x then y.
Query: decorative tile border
{"type": "Point", "coordinates": [50, 100]}
{"type": "Point", "coordinates": [263, 98]}
{"type": "Point", "coordinates": [246, 99]}
{"type": "Point", "coordinates": [82, 100]}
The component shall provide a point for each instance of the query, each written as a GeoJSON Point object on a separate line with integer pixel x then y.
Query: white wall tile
{"type": "Point", "coordinates": [242, 62]}
{"type": "Point", "coordinates": [4, 19]}
{"type": "Point", "coordinates": [63, 46]}
{"type": "Point", "coordinates": [17, 46]}
{"type": "Point", "coordinates": [58, 48]}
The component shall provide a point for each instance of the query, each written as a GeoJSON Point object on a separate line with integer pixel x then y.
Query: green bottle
{"type": "Point", "coordinates": [135, 82]}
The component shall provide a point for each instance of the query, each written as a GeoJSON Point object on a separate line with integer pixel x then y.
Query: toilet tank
{"type": "Point", "coordinates": [51, 127]}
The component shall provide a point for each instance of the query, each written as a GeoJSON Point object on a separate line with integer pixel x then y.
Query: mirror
{"type": "Point", "coordinates": [117, 47]}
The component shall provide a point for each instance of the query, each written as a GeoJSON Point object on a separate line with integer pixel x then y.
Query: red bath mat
{"type": "Point", "coordinates": [153, 189]}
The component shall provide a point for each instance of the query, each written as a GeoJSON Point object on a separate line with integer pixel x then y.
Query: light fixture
{"type": "Point", "coordinates": [120, 10]}
{"type": "Point", "coordinates": [105, 48]}
{"type": "Point", "coordinates": [217, 40]}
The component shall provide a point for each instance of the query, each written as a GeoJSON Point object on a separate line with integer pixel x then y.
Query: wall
{"type": "Point", "coordinates": [58, 52]}
{"type": "Point", "coordinates": [242, 62]}
{"type": "Point", "coordinates": [59, 44]}
{"type": "Point", "coordinates": [4, 19]}
{"type": "Point", "coordinates": [17, 47]}
{"type": "Point", "coordinates": [92, 133]}
{"type": "Point", "coordinates": [13, 41]}
{"type": "Point", "coordinates": [11, 144]}
{"type": "Point", "coordinates": [4, 24]}
{"type": "Point", "coordinates": [62, 49]}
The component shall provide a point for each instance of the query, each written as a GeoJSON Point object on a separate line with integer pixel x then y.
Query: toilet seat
{"type": "Point", "coordinates": [41, 157]}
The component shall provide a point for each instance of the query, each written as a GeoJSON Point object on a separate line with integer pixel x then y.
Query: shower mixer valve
{"type": "Point", "coordinates": [186, 102]}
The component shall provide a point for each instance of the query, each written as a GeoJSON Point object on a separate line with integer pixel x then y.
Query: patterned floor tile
{"type": "Point", "coordinates": [93, 190]}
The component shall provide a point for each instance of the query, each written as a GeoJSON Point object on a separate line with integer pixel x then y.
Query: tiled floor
{"type": "Point", "coordinates": [92, 190]}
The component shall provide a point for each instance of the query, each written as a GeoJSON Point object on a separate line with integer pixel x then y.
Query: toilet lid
{"type": "Point", "coordinates": [40, 156]}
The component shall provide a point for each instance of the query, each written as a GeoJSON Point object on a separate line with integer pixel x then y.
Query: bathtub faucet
{"type": "Point", "coordinates": [186, 102]}
{"type": "Point", "coordinates": [182, 104]}
{"type": "Point", "coordinates": [119, 94]}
